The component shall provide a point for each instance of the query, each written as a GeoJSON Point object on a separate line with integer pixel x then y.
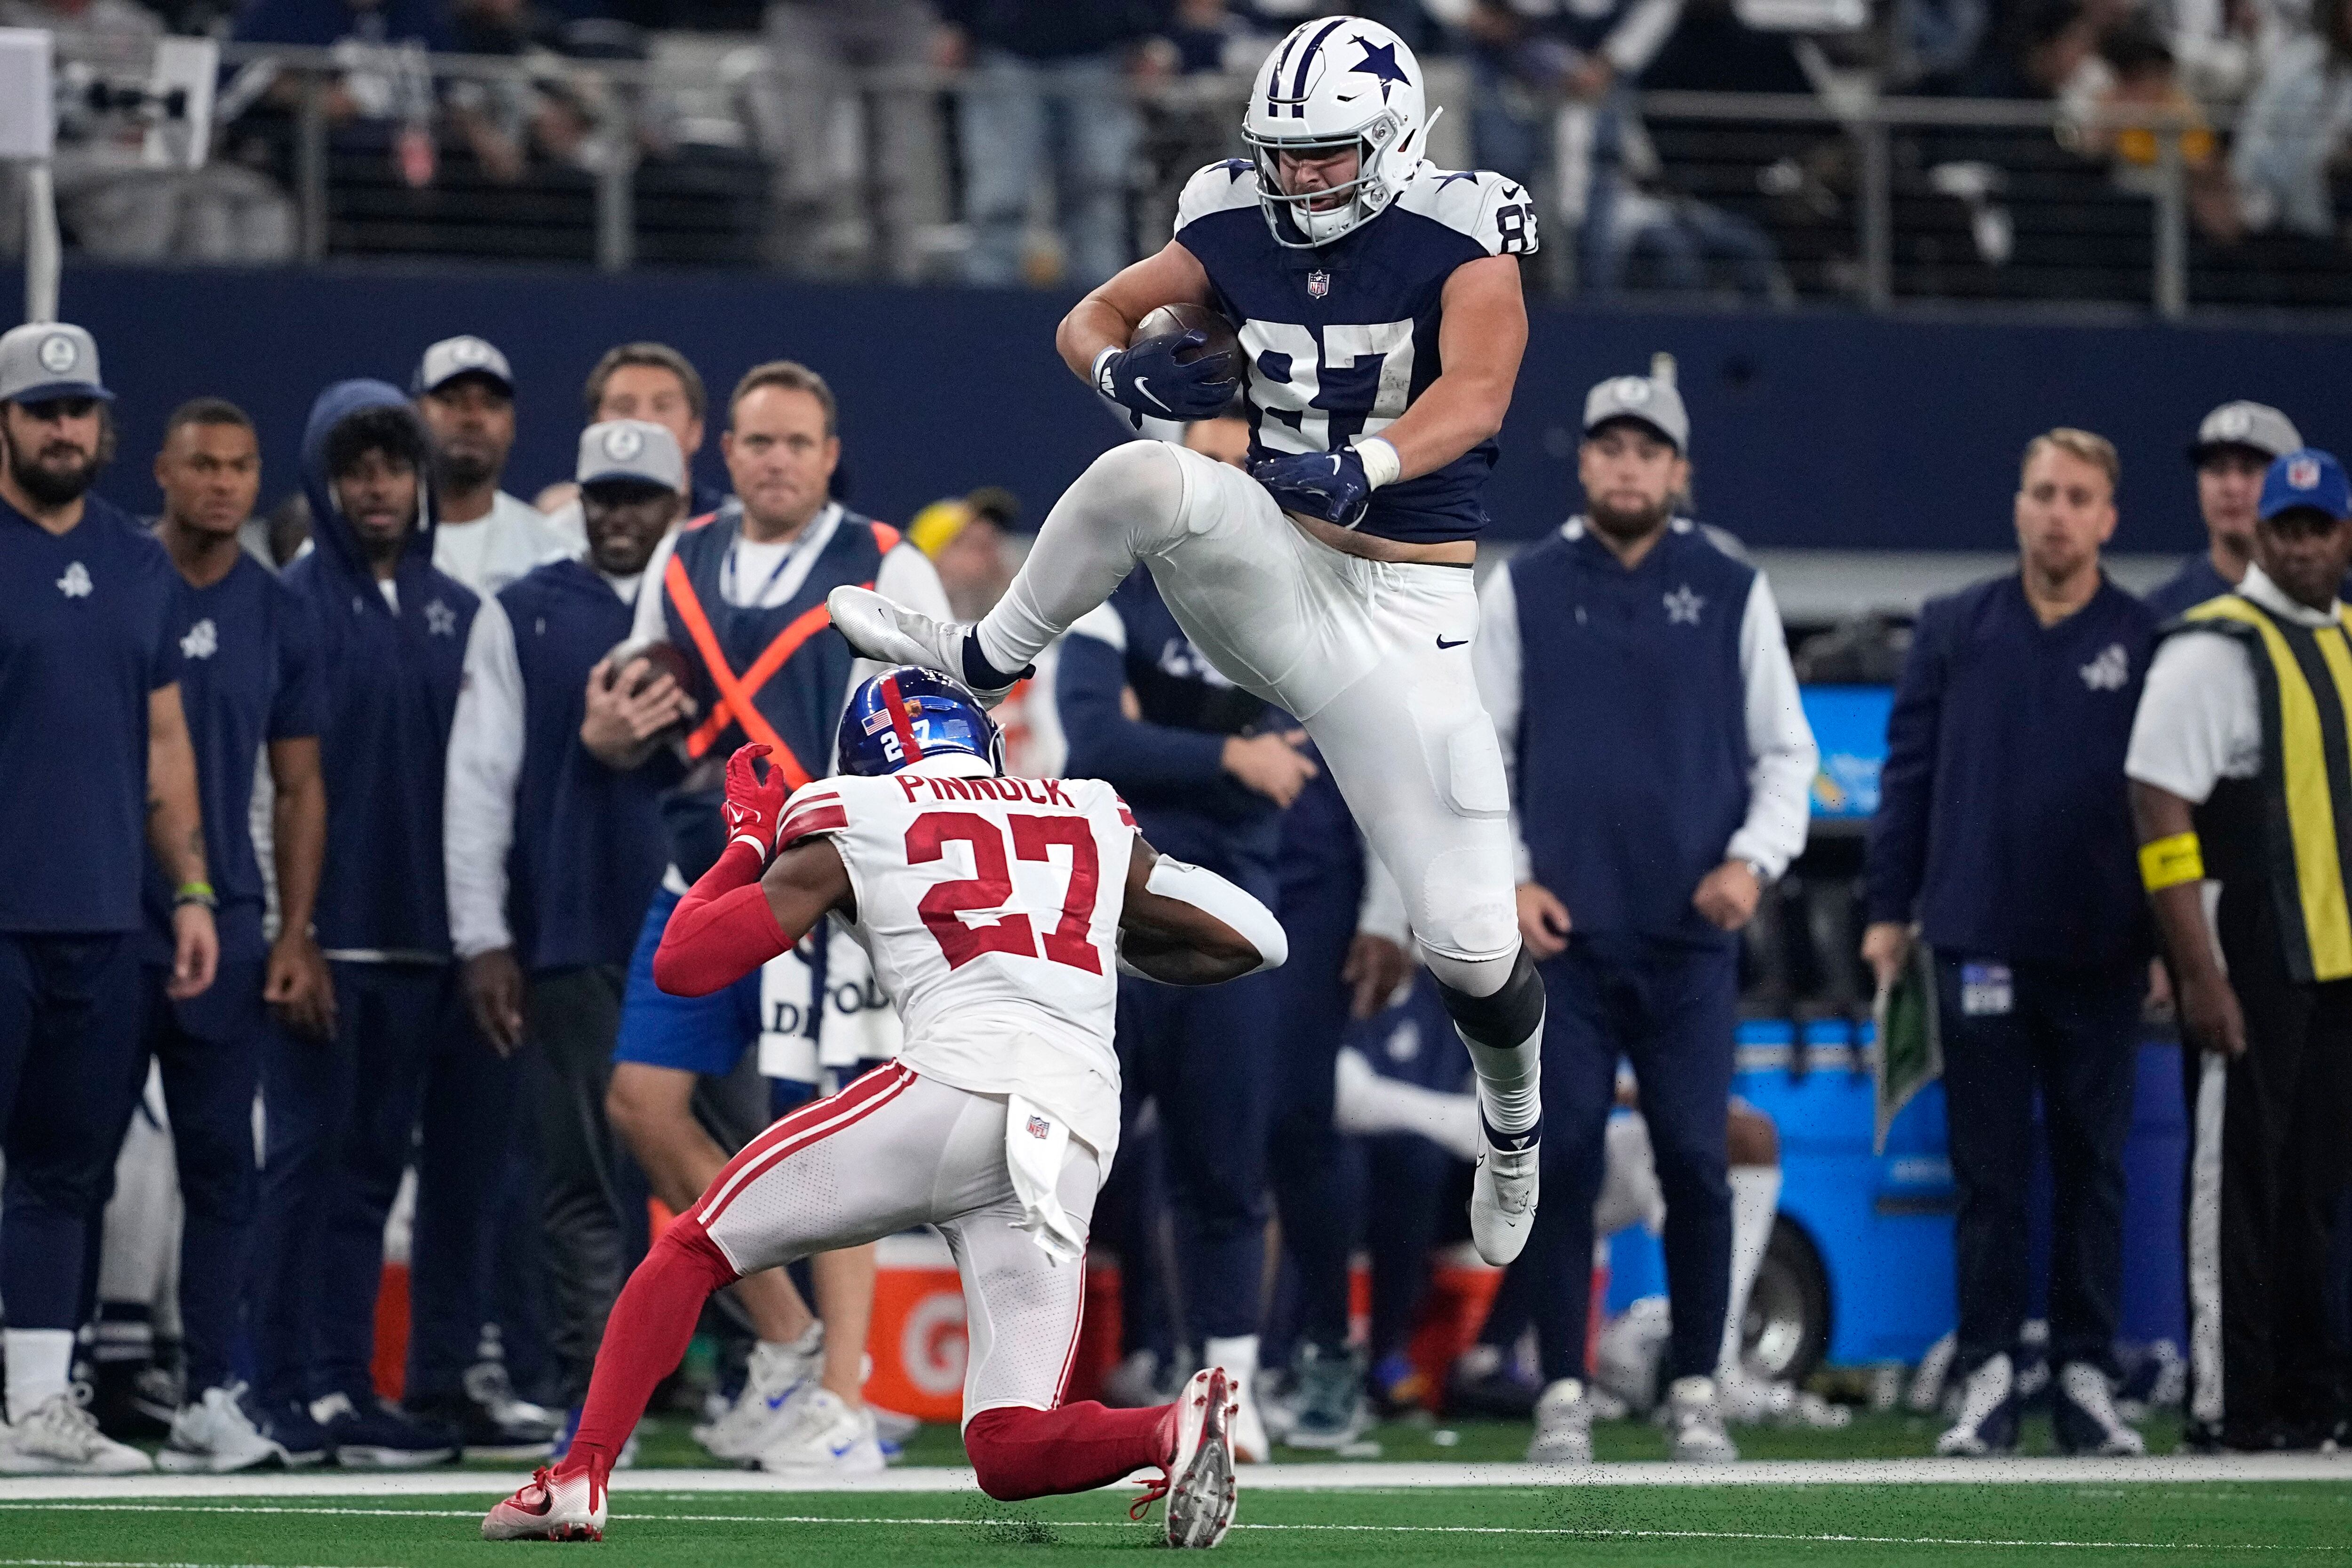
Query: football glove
{"type": "Point", "coordinates": [1332, 486]}
{"type": "Point", "coordinates": [754, 808]}
{"type": "Point", "coordinates": [1148, 380]}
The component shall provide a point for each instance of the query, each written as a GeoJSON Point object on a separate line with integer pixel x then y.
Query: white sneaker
{"type": "Point", "coordinates": [764, 1408]}
{"type": "Point", "coordinates": [551, 1507]}
{"type": "Point", "coordinates": [1563, 1425]}
{"type": "Point", "coordinates": [825, 1438]}
{"type": "Point", "coordinates": [2087, 1420]}
{"type": "Point", "coordinates": [1199, 1485]}
{"type": "Point", "coordinates": [1251, 1446]}
{"type": "Point", "coordinates": [1987, 1419]}
{"type": "Point", "coordinates": [60, 1437]}
{"type": "Point", "coordinates": [1694, 1433]}
{"type": "Point", "coordinates": [1503, 1198]}
{"type": "Point", "coordinates": [215, 1434]}
{"type": "Point", "coordinates": [895, 635]}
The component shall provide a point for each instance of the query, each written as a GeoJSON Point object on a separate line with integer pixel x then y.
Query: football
{"type": "Point", "coordinates": [638, 662]}
{"type": "Point", "coordinates": [1175, 320]}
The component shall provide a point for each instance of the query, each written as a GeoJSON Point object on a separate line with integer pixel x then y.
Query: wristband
{"type": "Point", "coordinates": [1382, 463]}
{"type": "Point", "coordinates": [2171, 861]}
{"type": "Point", "coordinates": [1099, 375]}
{"type": "Point", "coordinates": [195, 892]}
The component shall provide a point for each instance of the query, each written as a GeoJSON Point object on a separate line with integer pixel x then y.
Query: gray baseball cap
{"type": "Point", "coordinates": [2255, 426]}
{"type": "Point", "coordinates": [42, 360]}
{"type": "Point", "coordinates": [465, 354]}
{"type": "Point", "coordinates": [631, 449]}
{"type": "Point", "coordinates": [1653, 403]}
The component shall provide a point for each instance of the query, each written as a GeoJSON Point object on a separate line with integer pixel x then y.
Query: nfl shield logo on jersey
{"type": "Point", "coordinates": [1039, 1127]}
{"type": "Point", "coordinates": [1319, 284]}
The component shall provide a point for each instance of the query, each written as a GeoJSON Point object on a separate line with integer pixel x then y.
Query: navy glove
{"type": "Point", "coordinates": [1149, 379]}
{"type": "Point", "coordinates": [1332, 486]}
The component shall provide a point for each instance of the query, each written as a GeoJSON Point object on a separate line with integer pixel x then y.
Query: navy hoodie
{"type": "Point", "coordinates": [390, 682]}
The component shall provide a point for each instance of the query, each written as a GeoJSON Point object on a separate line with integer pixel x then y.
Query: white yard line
{"type": "Point", "coordinates": [981, 1521]}
{"type": "Point", "coordinates": [1343, 1477]}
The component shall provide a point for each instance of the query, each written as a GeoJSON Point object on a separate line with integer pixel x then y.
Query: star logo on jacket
{"type": "Point", "coordinates": [440, 620]}
{"type": "Point", "coordinates": [203, 640]}
{"type": "Point", "coordinates": [1683, 606]}
{"type": "Point", "coordinates": [75, 583]}
{"type": "Point", "coordinates": [2110, 671]}
{"type": "Point", "coordinates": [1319, 284]}
{"type": "Point", "coordinates": [1039, 1127]}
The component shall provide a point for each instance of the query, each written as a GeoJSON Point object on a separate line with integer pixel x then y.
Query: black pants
{"type": "Point", "coordinates": [594, 1194]}
{"type": "Point", "coordinates": [2270, 1153]}
{"type": "Point", "coordinates": [2070, 1034]}
{"type": "Point", "coordinates": [1311, 1003]}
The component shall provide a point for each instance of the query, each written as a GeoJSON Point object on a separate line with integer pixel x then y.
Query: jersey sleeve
{"type": "Point", "coordinates": [298, 706]}
{"type": "Point", "coordinates": [1495, 213]}
{"type": "Point", "coordinates": [1217, 188]}
{"type": "Point", "coordinates": [817, 809]}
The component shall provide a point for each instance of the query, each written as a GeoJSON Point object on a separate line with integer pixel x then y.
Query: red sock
{"type": "Point", "coordinates": [1023, 1453]}
{"type": "Point", "coordinates": [644, 1339]}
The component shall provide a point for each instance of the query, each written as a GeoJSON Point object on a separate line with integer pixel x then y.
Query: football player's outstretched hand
{"type": "Point", "coordinates": [755, 807]}
{"type": "Point", "coordinates": [1332, 486]}
{"type": "Point", "coordinates": [1151, 380]}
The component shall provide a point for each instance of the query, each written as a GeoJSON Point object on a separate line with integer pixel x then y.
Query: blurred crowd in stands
{"type": "Point", "coordinates": [1008, 142]}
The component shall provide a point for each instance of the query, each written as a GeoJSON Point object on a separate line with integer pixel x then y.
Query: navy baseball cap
{"type": "Point", "coordinates": [41, 361]}
{"type": "Point", "coordinates": [2306, 478]}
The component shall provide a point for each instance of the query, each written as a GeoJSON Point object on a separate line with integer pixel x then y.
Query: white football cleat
{"type": "Point", "coordinates": [1695, 1434]}
{"type": "Point", "coordinates": [1199, 1483]}
{"type": "Point", "coordinates": [60, 1437]}
{"type": "Point", "coordinates": [1503, 1194]}
{"type": "Point", "coordinates": [216, 1434]}
{"type": "Point", "coordinates": [825, 1438]}
{"type": "Point", "coordinates": [764, 1407]}
{"type": "Point", "coordinates": [550, 1507]}
{"type": "Point", "coordinates": [892, 634]}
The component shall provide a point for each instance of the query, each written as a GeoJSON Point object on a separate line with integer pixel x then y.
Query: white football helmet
{"type": "Point", "coordinates": [1334, 83]}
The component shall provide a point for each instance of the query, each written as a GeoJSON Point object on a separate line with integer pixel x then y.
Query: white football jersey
{"type": "Point", "coordinates": [990, 906]}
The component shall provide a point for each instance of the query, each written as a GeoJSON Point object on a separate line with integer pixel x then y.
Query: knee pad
{"type": "Point", "coordinates": [1503, 1019]}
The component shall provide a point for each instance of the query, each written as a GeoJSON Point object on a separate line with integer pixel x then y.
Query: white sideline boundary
{"type": "Point", "coordinates": [1341, 1477]}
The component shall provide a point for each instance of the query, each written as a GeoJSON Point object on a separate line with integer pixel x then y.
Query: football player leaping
{"type": "Point", "coordinates": [998, 911]}
{"type": "Point", "coordinates": [1378, 302]}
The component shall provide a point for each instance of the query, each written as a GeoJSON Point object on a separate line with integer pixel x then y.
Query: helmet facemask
{"type": "Point", "coordinates": [1324, 215]}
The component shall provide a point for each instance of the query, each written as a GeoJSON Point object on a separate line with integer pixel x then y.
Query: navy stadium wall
{"type": "Point", "coordinates": [1835, 430]}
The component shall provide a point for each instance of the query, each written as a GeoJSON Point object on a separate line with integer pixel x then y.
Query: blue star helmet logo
{"type": "Point", "coordinates": [1380, 60]}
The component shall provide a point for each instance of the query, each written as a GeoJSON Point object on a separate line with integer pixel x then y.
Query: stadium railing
{"type": "Point", "coordinates": [1874, 201]}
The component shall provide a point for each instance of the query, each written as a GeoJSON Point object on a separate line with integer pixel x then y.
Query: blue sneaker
{"type": "Point", "coordinates": [303, 1440]}
{"type": "Point", "coordinates": [571, 1429]}
{"type": "Point", "coordinates": [370, 1434]}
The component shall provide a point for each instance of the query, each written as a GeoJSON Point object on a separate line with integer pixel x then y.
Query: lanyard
{"type": "Point", "coordinates": [793, 552]}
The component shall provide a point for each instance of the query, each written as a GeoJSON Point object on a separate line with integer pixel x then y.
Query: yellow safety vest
{"type": "Point", "coordinates": [2303, 675]}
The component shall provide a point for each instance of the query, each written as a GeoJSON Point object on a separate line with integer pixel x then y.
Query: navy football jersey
{"type": "Point", "coordinates": [1339, 340]}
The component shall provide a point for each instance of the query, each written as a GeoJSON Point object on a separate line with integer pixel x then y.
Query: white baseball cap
{"type": "Point", "coordinates": [465, 354]}
{"type": "Point", "coordinates": [45, 360]}
{"type": "Point", "coordinates": [631, 449]}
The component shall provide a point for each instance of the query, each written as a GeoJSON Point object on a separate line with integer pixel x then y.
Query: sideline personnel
{"type": "Point", "coordinates": [1660, 766]}
{"type": "Point", "coordinates": [2234, 448]}
{"type": "Point", "coordinates": [2002, 829]}
{"type": "Point", "coordinates": [93, 746]}
{"type": "Point", "coordinates": [2237, 764]}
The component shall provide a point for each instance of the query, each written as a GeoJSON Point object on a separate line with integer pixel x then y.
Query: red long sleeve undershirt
{"type": "Point", "coordinates": [721, 930]}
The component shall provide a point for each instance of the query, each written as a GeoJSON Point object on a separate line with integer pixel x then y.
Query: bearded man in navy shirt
{"type": "Point", "coordinates": [2004, 831]}
{"type": "Point", "coordinates": [93, 747]}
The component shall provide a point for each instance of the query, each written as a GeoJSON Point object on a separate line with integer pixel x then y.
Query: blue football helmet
{"type": "Point", "coordinates": [905, 714]}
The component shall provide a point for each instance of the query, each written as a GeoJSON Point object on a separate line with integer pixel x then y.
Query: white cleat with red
{"type": "Point", "coordinates": [551, 1507]}
{"type": "Point", "coordinates": [1199, 1485]}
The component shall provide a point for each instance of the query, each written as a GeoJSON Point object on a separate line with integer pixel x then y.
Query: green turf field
{"type": "Point", "coordinates": [1833, 1526]}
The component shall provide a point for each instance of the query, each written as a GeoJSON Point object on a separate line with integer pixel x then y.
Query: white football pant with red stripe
{"type": "Point", "coordinates": [895, 1151]}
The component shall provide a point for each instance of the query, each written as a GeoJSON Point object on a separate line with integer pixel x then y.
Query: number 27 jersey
{"type": "Point", "coordinates": [1338, 341]}
{"type": "Point", "coordinates": [990, 906]}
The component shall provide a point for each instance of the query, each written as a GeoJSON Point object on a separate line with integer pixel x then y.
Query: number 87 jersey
{"type": "Point", "coordinates": [990, 906]}
{"type": "Point", "coordinates": [1339, 338]}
